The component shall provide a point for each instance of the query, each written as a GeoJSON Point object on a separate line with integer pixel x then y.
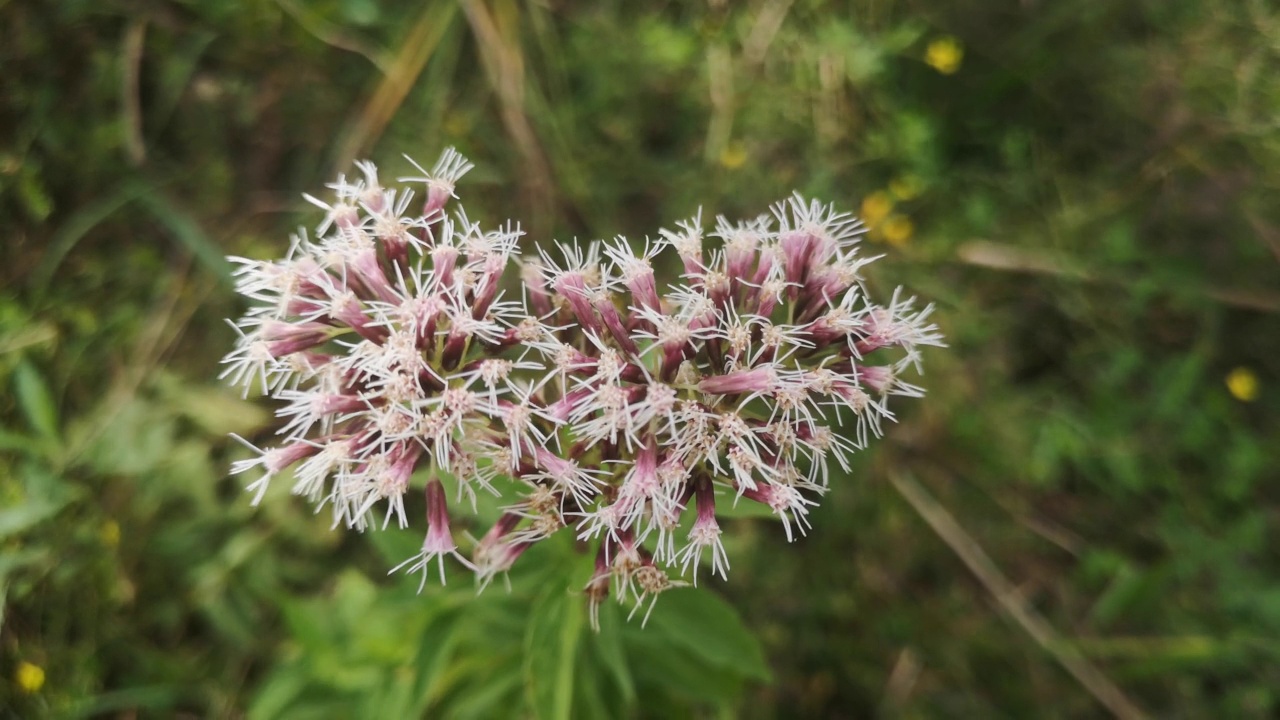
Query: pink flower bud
{"type": "Point", "coordinates": [284, 338]}
{"type": "Point", "coordinates": [613, 321]}
{"type": "Point", "coordinates": [644, 290]}
{"type": "Point", "coordinates": [347, 309]}
{"type": "Point", "coordinates": [487, 288]}
{"type": "Point", "coordinates": [572, 287]}
{"type": "Point", "coordinates": [797, 250]}
{"type": "Point", "coordinates": [785, 501]}
{"type": "Point", "coordinates": [758, 380]}
{"type": "Point", "coordinates": [368, 270]}
{"type": "Point", "coordinates": [443, 260]}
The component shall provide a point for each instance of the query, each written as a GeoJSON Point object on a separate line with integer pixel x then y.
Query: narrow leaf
{"type": "Point", "coordinates": [35, 400]}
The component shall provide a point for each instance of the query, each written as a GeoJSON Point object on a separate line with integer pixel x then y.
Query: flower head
{"type": "Point", "coordinates": [610, 403]}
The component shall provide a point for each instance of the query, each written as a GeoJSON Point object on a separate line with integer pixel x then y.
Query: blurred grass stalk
{"type": "Point", "coordinates": [399, 76]}
{"type": "Point", "coordinates": [1001, 256]}
{"type": "Point", "coordinates": [1010, 600]}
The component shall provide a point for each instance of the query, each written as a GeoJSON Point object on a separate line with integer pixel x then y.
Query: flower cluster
{"type": "Point", "coordinates": [604, 402]}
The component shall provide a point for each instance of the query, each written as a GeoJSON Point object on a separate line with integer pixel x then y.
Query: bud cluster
{"type": "Point", "coordinates": [604, 402]}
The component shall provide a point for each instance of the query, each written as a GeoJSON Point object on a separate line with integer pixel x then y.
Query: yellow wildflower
{"type": "Point", "coordinates": [1243, 384]}
{"type": "Point", "coordinates": [876, 207]}
{"type": "Point", "coordinates": [733, 157]}
{"type": "Point", "coordinates": [897, 230]}
{"type": "Point", "coordinates": [944, 55]}
{"type": "Point", "coordinates": [29, 677]}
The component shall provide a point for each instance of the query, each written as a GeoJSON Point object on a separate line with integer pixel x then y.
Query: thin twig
{"type": "Point", "coordinates": [1011, 601]}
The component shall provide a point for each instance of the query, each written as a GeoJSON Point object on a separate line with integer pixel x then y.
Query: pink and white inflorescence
{"type": "Point", "coordinates": [606, 402]}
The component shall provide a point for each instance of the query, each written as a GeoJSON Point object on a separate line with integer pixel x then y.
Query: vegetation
{"type": "Point", "coordinates": [1079, 518]}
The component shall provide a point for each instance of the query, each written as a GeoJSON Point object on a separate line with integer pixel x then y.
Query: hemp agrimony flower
{"type": "Point", "coordinates": [606, 402]}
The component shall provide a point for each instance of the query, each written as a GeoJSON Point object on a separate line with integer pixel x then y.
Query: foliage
{"type": "Point", "coordinates": [1087, 196]}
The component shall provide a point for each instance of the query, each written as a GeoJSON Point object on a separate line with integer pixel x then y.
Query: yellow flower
{"type": "Point", "coordinates": [110, 533]}
{"type": "Point", "coordinates": [733, 156]}
{"type": "Point", "coordinates": [29, 677]}
{"type": "Point", "coordinates": [944, 55]}
{"type": "Point", "coordinates": [897, 230]}
{"type": "Point", "coordinates": [1242, 383]}
{"type": "Point", "coordinates": [876, 207]}
{"type": "Point", "coordinates": [905, 188]}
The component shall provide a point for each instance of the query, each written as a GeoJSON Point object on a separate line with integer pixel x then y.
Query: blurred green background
{"type": "Point", "coordinates": [1080, 518]}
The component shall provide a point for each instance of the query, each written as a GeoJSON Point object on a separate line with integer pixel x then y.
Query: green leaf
{"type": "Point", "coordinates": [13, 561]}
{"type": "Point", "coordinates": [134, 438]}
{"type": "Point", "coordinates": [28, 334]}
{"type": "Point", "coordinates": [608, 648]}
{"type": "Point", "coordinates": [551, 653]}
{"type": "Point", "coordinates": [10, 563]}
{"type": "Point", "coordinates": [394, 545]}
{"type": "Point", "coordinates": [188, 233]}
{"type": "Point", "coordinates": [175, 76]}
{"type": "Point", "coordinates": [35, 400]}
{"type": "Point", "coordinates": [78, 226]}
{"type": "Point", "coordinates": [670, 673]}
{"type": "Point", "coordinates": [17, 442]}
{"type": "Point", "coordinates": [361, 12]}
{"type": "Point", "coordinates": [279, 693]}
{"type": "Point", "coordinates": [486, 701]}
{"type": "Point", "coordinates": [438, 645]}
{"type": "Point", "coordinates": [214, 409]}
{"type": "Point", "coordinates": [34, 195]}
{"type": "Point", "coordinates": [711, 629]}
{"type": "Point", "coordinates": [151, 697]}
{"type": "Point", "coordinates": [26, 516]}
